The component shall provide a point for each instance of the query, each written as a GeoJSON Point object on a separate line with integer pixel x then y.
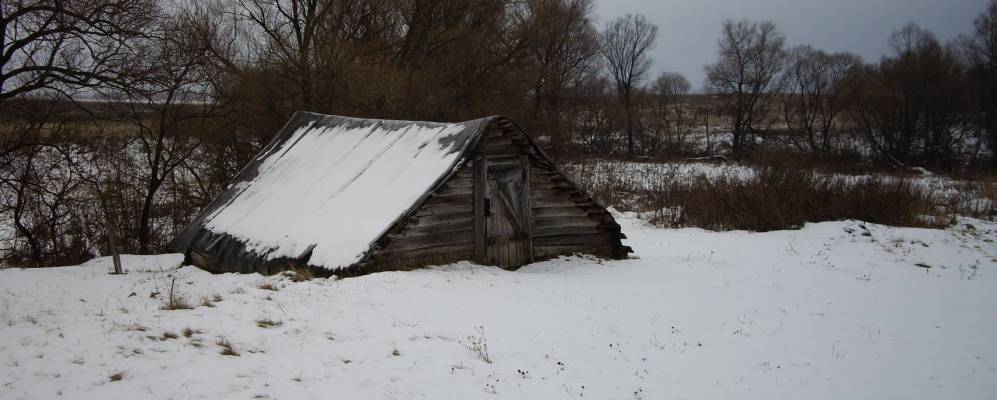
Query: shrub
{"type": "Point", "coordinates": [227, 348]}
{"type": "Point", "coordinates": [177, 303]}
{"type": "Point", "coordinates": [206, 302]}
{"type": "Point", "coordinates": [786, 198]}
{"type": "Point", "coordinates": [299, 274]}
{"type": "Point", "coordinates": [174, 301]}
{"type": "Point", "coordinates": [478, 344]}
{"type": "Point", "coordinates": [781, 194]}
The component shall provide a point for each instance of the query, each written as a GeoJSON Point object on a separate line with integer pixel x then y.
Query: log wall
{"type": "Point", "coordinates": [441, 231]}
{"type": "Point", "coordinates": [564, 220]}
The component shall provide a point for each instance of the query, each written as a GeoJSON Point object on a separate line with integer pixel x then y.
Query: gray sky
{"type": "Point", "coordinates": [688, 29]}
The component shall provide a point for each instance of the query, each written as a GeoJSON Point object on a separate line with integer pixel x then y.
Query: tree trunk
{"type": "Point", "coordinates": [33, 244]}
{"type": "Point", "coordinates": [144, 225]}
{"type": "Point", "coordinates": [736, 140]}
{"type": "Point", "coordinates": [992, 133]}
{"type": "Point", "coordinates": [112, 241]}
{"type": "Point", "coordinates": [630, 132]}
{"type": "Point", "coordinates": [709, 151]}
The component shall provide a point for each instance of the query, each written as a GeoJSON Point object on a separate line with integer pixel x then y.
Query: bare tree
{"type": "Point", "coordinates": [912, 104]}
{"type": "Point", "coordinates": [667, 91]}
{"type": "Point", "coordinates": [60, 45]}
{"type": "Point", "coordinates": [594, 115]}
{"type": "Point", "coordinates": [815, 85]}
{"type": "Point", "coordinates": [750, 58]}
{"type": "Point", "coordinates": [53, 48]}
{"type": "Point", "coordinates": [563, 54]}
{"type": "Point", "coordinates": [288, 39]}
{"type": "Point", "coordinates": [980, 49]}
{"type": "Point", "coordinates": [167, 101]}
{"type": "Point", "coordinates": [626, 42]}
{"type": "Point", "coordinates": [37, 191]}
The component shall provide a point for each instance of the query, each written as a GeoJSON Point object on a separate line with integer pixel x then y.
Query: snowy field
{"type": "Point", "coordinates": [837, 310]}
{"type": "Point", "coordinates": [654, 176]}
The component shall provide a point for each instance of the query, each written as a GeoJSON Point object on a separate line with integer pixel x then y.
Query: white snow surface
{"type": "Point", "coordinates": [836, 310]}
{"type": "Point", "coordinates": [337, 188]}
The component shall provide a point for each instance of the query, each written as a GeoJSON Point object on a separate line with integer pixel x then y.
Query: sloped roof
{"type": "Point", "coordinates": [332, 185]}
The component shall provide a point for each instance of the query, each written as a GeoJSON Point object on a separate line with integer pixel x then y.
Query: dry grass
{"type": "Point", "coordinates": [117, 376]}
{"type": "Point", "coordinates": [177, 303]}
{"type": "Point", "coordinates": [268, 285]}
{"type": "Point", "coordinates": [206, 302]}
{"type": "Point", "coordinates": [782, 194]}
{"type": "Point", "coordinates": [268, 323]}
{"type": "Point", "coordinates": [478, 344]}
{"type": "Point", "coordinates": [169, 335]}
{"type": "Point", "coordinates": [786, 198]}
{"type": "Point", "coordinates": [299, 274]}
{"type": "Point", "coordinates": [188, 332]}
{"type": "Point", "coordinates": [227, 348]}
{"type": "Point", "coordinates": [989, 192]}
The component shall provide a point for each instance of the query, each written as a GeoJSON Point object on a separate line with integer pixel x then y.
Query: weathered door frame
{"type": "Point", "coordinates": [481, 218]}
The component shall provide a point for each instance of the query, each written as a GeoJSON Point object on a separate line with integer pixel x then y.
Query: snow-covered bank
{"type": "Point", "coordinates": [835, 310]}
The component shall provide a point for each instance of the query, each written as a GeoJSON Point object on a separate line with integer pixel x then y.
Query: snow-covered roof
{"type": "Point", "coordinates": [333, 185]}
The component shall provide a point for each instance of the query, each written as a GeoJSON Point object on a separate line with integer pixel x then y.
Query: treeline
{"type": "Point", "coordinates": [121, 118]}
{"type": "Point", "coordinates": [924, 103]}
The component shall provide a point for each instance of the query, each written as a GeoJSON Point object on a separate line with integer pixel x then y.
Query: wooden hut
{"type": "Point", "coordinates": [351, 196]}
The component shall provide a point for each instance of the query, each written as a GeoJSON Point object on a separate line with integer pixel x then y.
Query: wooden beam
{"type": "Point", "coordinates": [593, 240]}
{"type": "Point", "coordinates": [506, 204]}
{"type": "Point", "coordinates": [527, 207]}
{"type": "Point", "coordinates": [403, 244]}
{"type": "Point", "coordinates": [480, 233]}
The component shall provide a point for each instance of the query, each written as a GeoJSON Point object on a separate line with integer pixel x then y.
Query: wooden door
{"type": "Point", "coordinates": [506, 215]}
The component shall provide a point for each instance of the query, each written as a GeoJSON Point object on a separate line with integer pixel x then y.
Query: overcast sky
{"type": "Point", "coordinates": [688, 29]}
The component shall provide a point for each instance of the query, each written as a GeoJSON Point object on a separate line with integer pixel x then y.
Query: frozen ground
{"type": "Point", "coordinates": [838, 310]}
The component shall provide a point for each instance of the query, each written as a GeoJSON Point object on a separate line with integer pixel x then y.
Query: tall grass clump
{"type": "Point", "coordinates": [785, 198]}
{"type": "Point", "coordinates": [780, 194]}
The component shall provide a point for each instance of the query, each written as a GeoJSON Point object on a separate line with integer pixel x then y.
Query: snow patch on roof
{"type": "Point", "coordinates": [336, 184]}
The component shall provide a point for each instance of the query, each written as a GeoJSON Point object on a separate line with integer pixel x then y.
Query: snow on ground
{"type": "Point", "coordinates": [835, 310]}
